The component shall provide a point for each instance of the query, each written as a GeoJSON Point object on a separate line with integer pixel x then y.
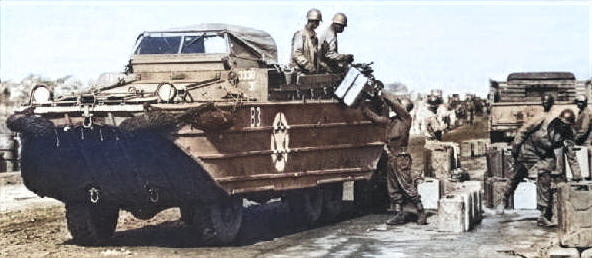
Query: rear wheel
{"type": "Point", "coordinates": [306, 205]}
{"type": "Point", "coordinates": [91, 224]}
{"type": "Point", "coordinates": [370, 195]}
{"type": "Point", "coordinates": [332, 200]}
{"type": "Point", "coordinates": [218, 223]}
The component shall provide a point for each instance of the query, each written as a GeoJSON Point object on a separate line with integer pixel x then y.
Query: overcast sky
{"type": "Point", "coordinates": [456, 46]}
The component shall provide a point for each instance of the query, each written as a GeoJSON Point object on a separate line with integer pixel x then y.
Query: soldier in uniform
{"type": "Point", "coordinates": [330, 59]}
{"type": "Point", "coordinates": [583, 124]}
{"type": "Point", "coordinates": [435, 126]}
{"type": "Point", "coordinates": [305, 44]}
{"type": "Point", "coordinates": [536, 150]}
{"type": "Point", "coordinates": [540, 121]}
{"type": "Point", "coordinates": [401, 182]}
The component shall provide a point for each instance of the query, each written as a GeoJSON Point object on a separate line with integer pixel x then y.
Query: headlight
{"type": "Point", "coordinates": [41, 94]}
{"type": "Point", "coordinates": [166, 92]}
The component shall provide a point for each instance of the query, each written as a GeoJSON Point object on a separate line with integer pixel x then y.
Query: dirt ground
{"type": "Point", "coordinates": [36, 227]}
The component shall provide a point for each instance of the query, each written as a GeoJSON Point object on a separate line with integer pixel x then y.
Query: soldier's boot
{"type": "Point", "coordinates": [543, 218]}
{"type": "Point", "coordinates": [392, 207]}
{"type": "Point", "coordinates": [399, 217]}
{"type": "Point", "coordinates": [421, 214]}
{"type": "Point", "coordinates": [543, 221]}
{"type": "Point", "coordinates": [546, 218]}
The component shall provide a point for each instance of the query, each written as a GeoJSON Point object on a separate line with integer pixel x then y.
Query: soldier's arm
{"type": "Point", "coordinates": [329, 46]}
{"type": "Point", "coordinates": [527, 129]}
{"type": "Point", "coordinates": [330, 49]}
{"type": "Point", "coordinates": [376, 118]}
{"type": "Point", "coordinates": [298, 52]}
{"type": "Point", "coordinates": [392, 101]}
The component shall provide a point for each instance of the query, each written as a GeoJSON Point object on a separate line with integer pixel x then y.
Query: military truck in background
{"type": "Point", "coordinates": [518, 99]}
{"type": "Point", "coordinates": [203, 118]}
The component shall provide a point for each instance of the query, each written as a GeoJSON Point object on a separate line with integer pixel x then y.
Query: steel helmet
{"type": "Point", "coordinates": [581, 98]}
{"type": "Point", "coordinates": [340, 18]}
{"type": "Point", "coordinates": [314, 15]}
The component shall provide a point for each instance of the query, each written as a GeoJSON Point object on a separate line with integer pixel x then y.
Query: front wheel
{"type": "Point", "coordinates": [306, 205]}
{"type": "Point", "coordinates": [218, 223]}
{"type": "Point", "coordinates": [89, 224]}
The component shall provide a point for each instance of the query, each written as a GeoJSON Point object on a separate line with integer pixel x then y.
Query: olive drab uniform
{"type": "Point", "coordinates": [305, 56]}
{"type": "Point", "coordinates": [401, 182]}
{"type": "Point", "coordinates": [583, 127]}
{"type": "Point", "coordinates": [536, 148]}
{"type": "Point", "coordinates": [330, 59]}
{"type": "Point", "coordinates": [435, 127]}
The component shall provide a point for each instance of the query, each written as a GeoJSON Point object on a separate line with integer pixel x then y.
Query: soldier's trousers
{"type": "Point", "coordinates": [542, 171]}
{"type": "Point", "coordinates": [400, 183]}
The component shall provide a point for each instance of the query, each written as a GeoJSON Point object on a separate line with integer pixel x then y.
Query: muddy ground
{"type": "Point", "coordinates": [36, 227]}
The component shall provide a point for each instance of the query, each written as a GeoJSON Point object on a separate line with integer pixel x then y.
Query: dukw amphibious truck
{"type": "Point", "coordinates": [202, 118]}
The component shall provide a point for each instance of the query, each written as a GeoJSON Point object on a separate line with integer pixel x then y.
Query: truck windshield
{"type": "Point", "coordinates": [184, 44]}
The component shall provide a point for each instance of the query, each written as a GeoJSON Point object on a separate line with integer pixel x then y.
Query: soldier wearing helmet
{"type": "Point", "coordinates": [583, 124]}
{"type": "Point", "coordinates": [394, 114]}
{"type": "Point", "coordinates": [548, 101]}
{"type": "Point", "coordinates": [537, 152]}
{"type": "Point", "coordinates": [330, 58]}
{"type": "Point", "coordinates": [305, 44]}
{"type": "Point", "coordinates": [434, 123]}
{"type": "Point", "coordinates": [538, 147]}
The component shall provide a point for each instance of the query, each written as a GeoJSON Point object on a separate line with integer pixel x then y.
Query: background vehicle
{"type": "Point", "coordinates": [517, 100]}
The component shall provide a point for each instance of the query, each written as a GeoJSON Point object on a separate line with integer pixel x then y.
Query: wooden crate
{"type": "Point", "coordinates": [575, 214]}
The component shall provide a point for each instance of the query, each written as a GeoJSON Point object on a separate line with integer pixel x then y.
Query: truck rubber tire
{"type": "Point", "coordinates": [332, 201]}
{"type": "Point", "coordinates": [306, 205]}
{"type": "Point", "coordinates": [218, 223]}
{"type": "Point", "coordinates": [370, 195]}
{"type": "Point", "coordinates": [91, 225]}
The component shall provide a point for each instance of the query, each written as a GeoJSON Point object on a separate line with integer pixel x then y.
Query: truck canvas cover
{"type": "Point", "coordinates": [259, 41]}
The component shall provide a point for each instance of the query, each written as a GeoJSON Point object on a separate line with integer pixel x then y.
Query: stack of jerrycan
{"type": "Point", "coordinates": [440, 158]}
{"type": "Point", "coordinates": [8, 153]}
{"type": "Point", "coordinates": [473, 148]}
{"type": "Point", "coordinates": [460, 209]}
{"type": "Point", "coordinates": [457, 201]}
{"type": "Point", "coordinates": [500, 171]}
